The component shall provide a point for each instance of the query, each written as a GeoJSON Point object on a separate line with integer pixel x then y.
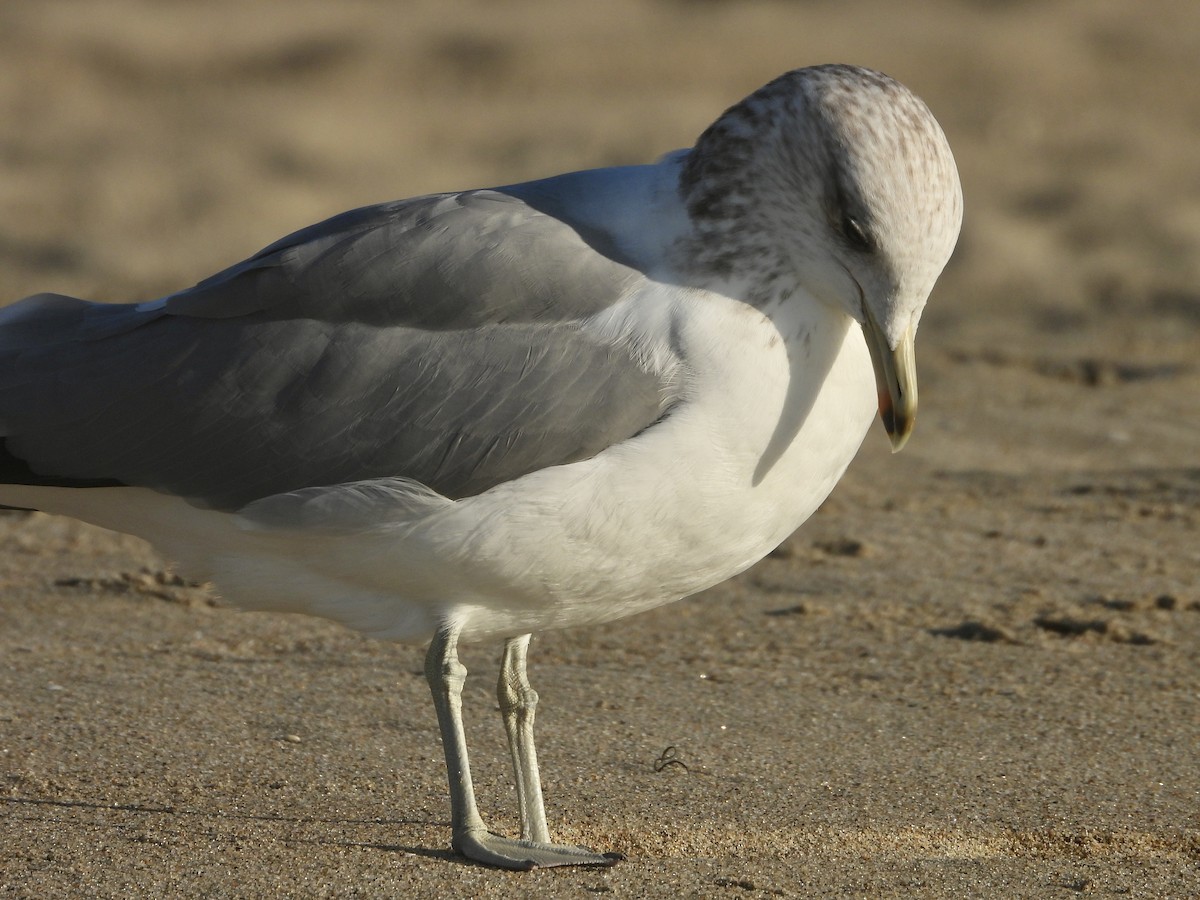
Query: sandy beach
{"type": "Point", "coordinates": [975, 672]}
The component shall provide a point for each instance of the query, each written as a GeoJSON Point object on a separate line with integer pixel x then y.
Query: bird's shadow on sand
{"type": "Point", "coordinates": [446, 855]}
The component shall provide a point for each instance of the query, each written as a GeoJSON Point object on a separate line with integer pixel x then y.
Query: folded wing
{"type": "Point", "coordinates": [440, 340]}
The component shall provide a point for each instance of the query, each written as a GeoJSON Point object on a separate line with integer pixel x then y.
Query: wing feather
{"type": "Point", "coordinates": [440, 340]}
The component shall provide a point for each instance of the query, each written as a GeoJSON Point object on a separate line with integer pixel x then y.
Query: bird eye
{"type": "Point", "coordinates": [855, 235]}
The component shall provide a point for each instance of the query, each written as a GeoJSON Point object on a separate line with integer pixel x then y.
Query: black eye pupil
{"type": "Point", "coordinates": [854, 234]}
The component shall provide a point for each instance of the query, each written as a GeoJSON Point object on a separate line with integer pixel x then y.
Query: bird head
{"type": "Point", "coordinates": [841, 177]}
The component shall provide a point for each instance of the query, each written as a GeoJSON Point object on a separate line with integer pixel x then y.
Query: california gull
{"type": "Point", "coordinates": [477, 415]}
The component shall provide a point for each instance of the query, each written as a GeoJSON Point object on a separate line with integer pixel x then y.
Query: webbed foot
{"type": "Point", "coordinates": [506, 853]}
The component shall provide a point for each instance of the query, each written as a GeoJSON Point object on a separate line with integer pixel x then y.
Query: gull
{"type": "Point", "coordinates": [477, 415]}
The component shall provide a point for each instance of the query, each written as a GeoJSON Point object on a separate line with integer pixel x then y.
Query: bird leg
{"type": "Point", "coordinates": [518, 702]}
{"type": "Point", "coordinates": [471, 838]}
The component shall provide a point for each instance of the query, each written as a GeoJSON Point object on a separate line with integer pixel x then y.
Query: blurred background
{"type": "Point", "coordinates": [995, 632]}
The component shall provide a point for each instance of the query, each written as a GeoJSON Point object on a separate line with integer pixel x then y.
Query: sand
{"type": "Point", "coordinates": [975, 672]}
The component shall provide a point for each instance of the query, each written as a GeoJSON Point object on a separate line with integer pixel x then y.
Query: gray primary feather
{"type": "Point", "coordinates": [436, 339]}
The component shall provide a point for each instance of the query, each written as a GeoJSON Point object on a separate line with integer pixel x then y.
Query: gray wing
{"type": "Point", "coordinates": [437, 340]}
{"type": "Point", "coordinates": [446, 261]}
